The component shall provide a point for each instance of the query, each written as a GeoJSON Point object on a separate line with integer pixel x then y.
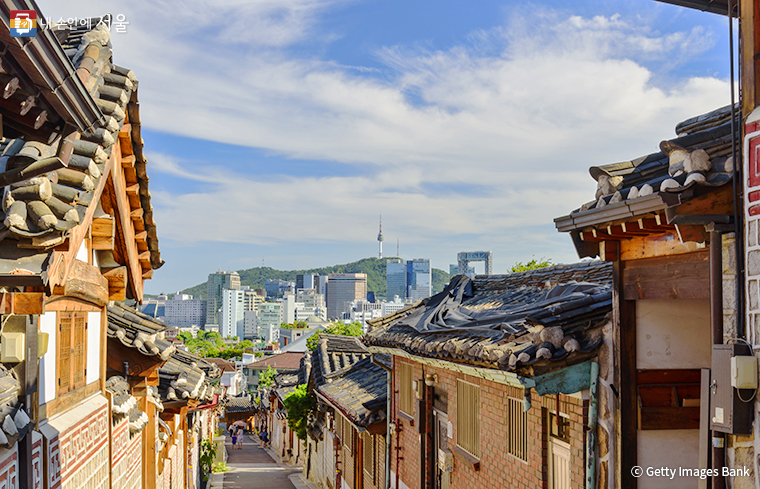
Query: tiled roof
{"type": "Point", "coordinates": [282, 361]}
{"type": "Point", "coordinates": [186, 376]}
{"type": "Point", "coordinates": [509, 322]}
{"type": "Point", "coordinates": [224, 365]}
{"type": "Point", "coordinates": [699, 156]}
{"type": "Point", "coordinates": [284, 384]}
{"type": "Point", "coordinates": [137, 330]}
{"type": "Point", "coordinates": [14, 421]}
{"type": "Point", "coordinates": [39, 213]}
{"type": "Point", "coordinates": [360, 392]}
{"type": "Point", "coordinates": [334, 354]}
{"type": "Point", "coordinates": [123, 404]}
{"type": "Point", "coordinates": [240, 404]}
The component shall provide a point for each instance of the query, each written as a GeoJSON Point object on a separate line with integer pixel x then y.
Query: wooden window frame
{"type": "Point", "coordinates": [369, 459]}
{"type": "Point", "coordinates": [69, 375]}
{"type": "Point", "coordinates": [517, 429]}
{"type": "Point", "coordinates": [406, 389]}
{"type": "Point", "coordinates": [468, 420]}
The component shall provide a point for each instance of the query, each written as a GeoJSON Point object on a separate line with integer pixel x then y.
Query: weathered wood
{"type": "Point", "coordinates": [117, 283]}
{"type": "Point", "coordinates": [624, 331]}
{"type": "Point", "coordinates": [103, 243]}
{"type": "Point", "coordinates": [669, 418]}
{"type": "Point", "coordinates": [139, 365]}
{"type": "Point", "coordinates": [62, 303]}
{"type": "Point", "coordinates": [685, 277]}
{"type": "Point", "coordinates": [657, 245]}
{"type": "Point", "coordinates": [22, 303]}
{"type": "Point", "coordinates": [103, 226]}
{"type": "Point", "coordinates": [141, 237]}
{"type": "Point", "coordinates": [133, 192]}
{"type": "Point", "coordinates": [128, 161]}
{"type": "Point", "coordinates": [85, 282]}
{"type": "Point", "coordinates": [148, 274]}
{"type": "Point", "coordinates": [67, 401]}
{"type": "Point", "coordinates": [609, 250]}
{"type": "Point", "coordinates": [137, 214]}
{"type": "Point", "coordinates": [125, 139]}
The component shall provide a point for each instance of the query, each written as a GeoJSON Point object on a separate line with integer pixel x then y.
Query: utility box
{"type": "Point", "coordinates": [728, 413]}
{"type": "Point", "coordinates": [445, 460]}
{"type": "Point", "coordinates": [12, 346]}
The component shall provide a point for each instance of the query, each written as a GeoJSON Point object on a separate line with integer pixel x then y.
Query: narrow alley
{"type": "Point", "coordinates": [252, 467]}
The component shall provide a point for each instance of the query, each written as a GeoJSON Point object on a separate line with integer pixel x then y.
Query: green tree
{"type": "Point", "coordinates": [266, 379]}
{"type": "Point", "coordinates": [352, 329]}
{"type": "Point", "coordinates": [299, 404]}
{"type": "Point", "coordinates": [531, 265]}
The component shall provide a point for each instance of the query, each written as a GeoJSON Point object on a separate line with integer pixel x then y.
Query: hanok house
{"type": "Point", "coordinates": [282, 362]}
{"type": "Point", "coordinates": [495, 381]}
{"type": "Point", "coordinates": [174, 389]}
{"type": "Point", "coordinates": [333, 356]}
{"type": "Point", "coordinates": [77, 231]}
{"type": "Point", "coordinates": [663, 222]}
{"type": "Point", "coordinates": [357, 399]}
{"type": "Point", "coordinates": [283, 440]}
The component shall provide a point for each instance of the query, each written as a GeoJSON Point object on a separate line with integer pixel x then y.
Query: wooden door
{"type": "Point", "coordinates": [559, 453]}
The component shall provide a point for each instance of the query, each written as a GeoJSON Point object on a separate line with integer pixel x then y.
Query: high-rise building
{"type": "Point", "coordinates": [277, 287]}
{"type": "Point", "coordinates": [320, 285]}
{"type": "Point", "coordinates": [342, 289]}
{"type": "Point", "coordinates": [217, 282]}
{"type": "Point", "coordinates": [231, 321]}
{"type": "Point", "coordinates": [184, 310]}
{"type": "Point", "coordinates": [269, 318]}
{"type": "Point", "coordinates": [250, 325]}
{"type": "Point", "coordinates": [155, 308]}
{"type": "Point", "coordinates": [307, 281]}
{"type": "Point", "coordinates": [252, 298]}
{"type": "Point", "coordinates": [392, 307]}
{"type": "Point", "coordinates": [395, 278]}
{"type": "Point", "coordinates": [419, 279]}
{"type": "Point", "coordinates": [362, 311]}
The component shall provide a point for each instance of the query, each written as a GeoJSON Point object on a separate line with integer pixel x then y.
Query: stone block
{"type": "Point", "coordinates": [729, 326]}
{"type": "Point", "coordinates": [753, 263]}
{"type": "Point", "coordinates": [752, 292]}
{"type": "Point", "coordinates": [729, 294]}
{"type": "Point", "coordinates": [752, 233]}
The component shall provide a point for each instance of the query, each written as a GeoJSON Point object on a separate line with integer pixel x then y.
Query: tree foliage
{"type": "Point", "coordinates": [297, 325]}
{"type": "Point", "coordinates": [531, 265]}
{"type": "Point", "coordinates": [211, 345]}
{"type": "Point", "coordinates": [299, 404]}
{"type": "Point", "coordinates": [373, 267]}
{"type": "Point", "coordinates": [352, 329]}
{"type": "Point", "coordinates": [266, 379]}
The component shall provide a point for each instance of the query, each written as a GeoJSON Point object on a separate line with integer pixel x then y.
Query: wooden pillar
{"type": "Point", "coordinates": [750, 42]}
{"type": "Point", "coordinates": [625, 378]}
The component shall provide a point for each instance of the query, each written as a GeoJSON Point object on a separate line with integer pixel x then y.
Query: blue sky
{"type": "Point", "coordinates": [279, 131]}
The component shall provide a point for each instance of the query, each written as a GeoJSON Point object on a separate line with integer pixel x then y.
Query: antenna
{"type": "Point", "coordinates": [380, 238]}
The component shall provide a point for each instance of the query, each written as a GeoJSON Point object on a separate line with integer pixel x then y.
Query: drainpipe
{"type": "Point", "coordinates": [592, 424]}
{"type": "Point", "coordinates": [388, 423]}
{"type": "Point", "coordinates": [429, 448]}
{"type": "Point", "coordinates": [716, 322]}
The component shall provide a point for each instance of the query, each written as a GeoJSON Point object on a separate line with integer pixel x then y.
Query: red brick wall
{"type": "Point", "coordinates": [497, 467]}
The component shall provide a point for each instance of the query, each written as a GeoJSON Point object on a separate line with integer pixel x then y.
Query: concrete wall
{"type": "Point", "coordinates": [673, 334]}
{"type": "Point", "coordinates": [668, 448]}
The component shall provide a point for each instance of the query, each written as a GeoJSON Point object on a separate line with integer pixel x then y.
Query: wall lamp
{"type": "Point", "coordinates": [431, 379]}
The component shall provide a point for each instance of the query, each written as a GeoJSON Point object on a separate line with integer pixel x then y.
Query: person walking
{"type": "Point", "coordinates": [234, 438]}
{"type": "Point", "coordinates": [240, 435]}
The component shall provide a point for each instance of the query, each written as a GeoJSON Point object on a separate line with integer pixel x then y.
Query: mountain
{"type": "Point", "coordinates": [373, 267]}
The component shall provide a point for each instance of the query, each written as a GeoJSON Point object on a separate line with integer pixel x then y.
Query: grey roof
{"type": "Point", "coordinates": [124, 405]}
{"type": "Point", "coordinates": [239, 404]}
{"type": "Point", "coordinates": [14, 421]}
{"type": "Point", "coordinates": [40, 213]}
{"type": "Point", "coordinates": [699, 157]}
{"type": "Point", "coordinates": [137, 330]}
{"type": "Point", "coordinates": [185, 376]}
{"type": "Point", "coordinates": [360, 393]}
{"type": "Point", "coordinates": [284, 384]}
{"type": "Point", "coordinates": [334, 354]}
{"type": "Point", "coordinates": [519, 321]}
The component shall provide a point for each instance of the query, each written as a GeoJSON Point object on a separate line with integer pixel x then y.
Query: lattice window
{"type": "Point", "coordinates": [368, 445]}
{"type": "Point", "coordinates": [72, 351]}
{"type": "Point", "coordinates": [406, 391]}
{"type": "Point", "coordinates": [517, 429]}
{"type": "Point", "coordinates": [468, 417]}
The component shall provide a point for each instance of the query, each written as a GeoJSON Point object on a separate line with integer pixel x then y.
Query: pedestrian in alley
{"type": "Point", "coordinates": [264, 437]}
{"type": "Point", "coordinates": [240, 435]}
{"type": "Point", "coordinates": [234, 438]}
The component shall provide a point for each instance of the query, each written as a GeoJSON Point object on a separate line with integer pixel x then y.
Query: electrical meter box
{"type": "Point", "coordinates": [731, 365]}
{"type": "Point", "coordinates": [445, 460]}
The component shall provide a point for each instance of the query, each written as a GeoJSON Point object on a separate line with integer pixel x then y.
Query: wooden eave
{"type": "Point", "coordinates": [120, 356]}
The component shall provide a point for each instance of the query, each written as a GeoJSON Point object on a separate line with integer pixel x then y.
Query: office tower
{"type": "Point", "coordinates": [231, 322]}
{"type": "Point", "coordinates": [307, 281]}
{"type": "Point", "coordinates": [184, 310]}
{"type": "Point", "coordinates": [342, 289]}
{"type": "Point", "coordinates": [395, 278]}
{"type": "Point", "coordinates": [419, 279]}
{"type": "Point", "coordinates": [217, 282]}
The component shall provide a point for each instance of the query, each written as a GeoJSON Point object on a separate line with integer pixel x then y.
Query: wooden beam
{"type": "Point", "coordinates": [675, 277]}
{"type": "Point", "coordinates": [609, 250]}
{"type": "Point", "coordinates": [103, 226]}
{"type": "Point", "coordinates": [133, 193]}
{"type": "Point", "coordinates": [85, 282]}
{"type": "Point", "coordinates": [148, 274]}
{"type": "Point", "coordinates": [657, 245]}
{"type": "Point", "coordinates": [117, 178]}
{"type": "Point", "coordinates": [117, 283]}
{"type": "Point", "coordinates": [137, 214]}
{"type": "Point", "coordinates": [22, 303]}
{"type": "Point", "coordinates": [142, 237]}
{"type": "Point", "coordinates": [139, 365]}
{"type": "Point", "coordinates": [102, 243]}
{"type": "Point", "coordinates": [125, 139]}
{"type": "Point", "coordinates": [128, 161]}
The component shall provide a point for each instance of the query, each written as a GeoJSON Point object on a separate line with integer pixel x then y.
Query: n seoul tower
{"type": "Point", "coordinates": [380, 237]}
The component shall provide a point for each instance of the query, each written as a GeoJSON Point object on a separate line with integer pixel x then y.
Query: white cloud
{"type": "Point", "coordinates": [521, 110]}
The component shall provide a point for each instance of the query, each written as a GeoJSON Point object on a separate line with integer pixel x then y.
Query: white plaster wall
{"type": "Point", "coordinates": [47, 362]}
{"type": "Point", "coordinates": [82, 252]}
{"type": "Point", "coordinates": [673, 334]}
{"type": "Point", "coordinates": [673, 449]}
{"type": "Point", "coordinates": [93, 346]}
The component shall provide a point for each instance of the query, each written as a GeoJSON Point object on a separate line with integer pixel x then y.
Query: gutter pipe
{"type": "Point", "coordinates": [593, 421]}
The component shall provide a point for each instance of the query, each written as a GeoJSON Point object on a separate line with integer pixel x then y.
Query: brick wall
{"type": "Point", "coordinates": [497, 467]}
